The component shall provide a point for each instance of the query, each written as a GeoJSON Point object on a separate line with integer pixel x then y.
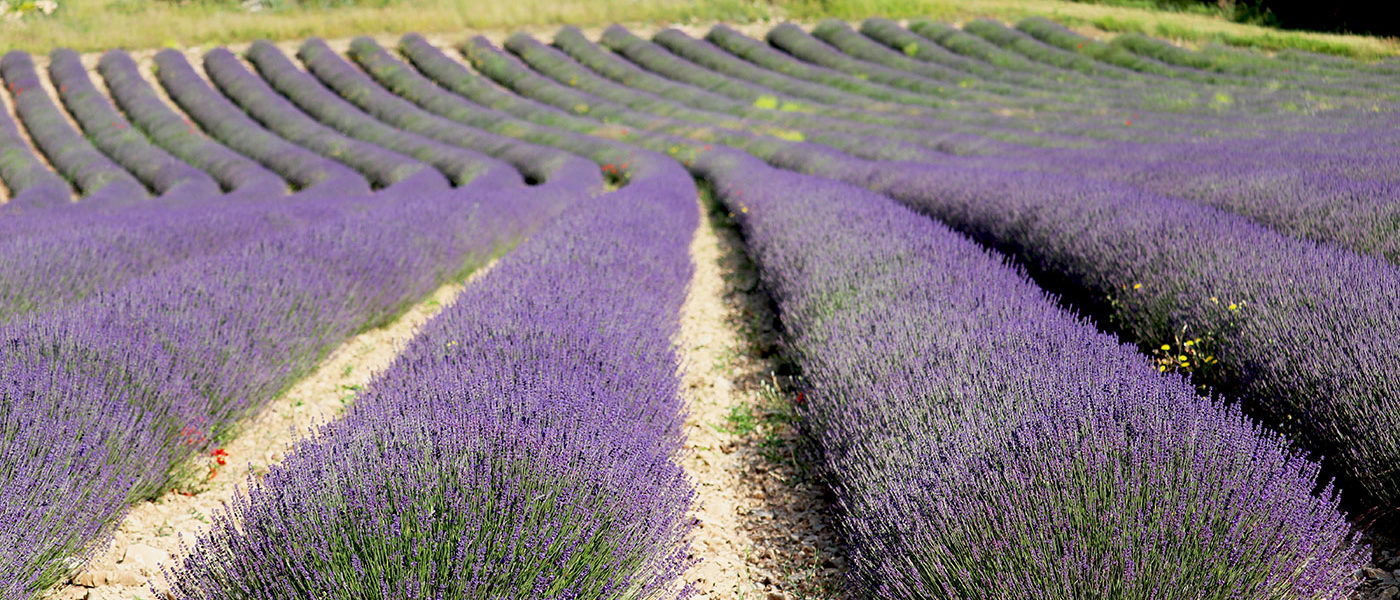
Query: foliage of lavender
{"type": "Point", "coordinates": [1299, 329]}
{"type": "Point", "coordinates": [522, 446]}
{"type": "Point", "coordinates": [827, 68]}
{"type": "Point", "coordinates": [227, 123]}
{"type": "Point", "coordinates": [896, 120]}
{"type": "Point", "coordinates": [234, 172]}
{"type": "Point", "coordinates": [31, 183]}
{"type": "Point", "coordinates": [309, 95]}
{"type": "Point", "coordinates": [227, 331]}
{"type": "Point", "coordinates": [586, 65]}
{"type": "Point", "coordinates": [383, 167]}
{"type": "Point", "coordinates": [1054, 34]}
{"type": "Point", "coordinates": [535, 162]}
{"type": "Point", "coordinates": [982, 438]}
{"type": "Point", "coordinates": [1251, 184]}
{"type": "Point", "coordinates": [100, 180]}
{"type": "Point", "coordinates": [114, 135]}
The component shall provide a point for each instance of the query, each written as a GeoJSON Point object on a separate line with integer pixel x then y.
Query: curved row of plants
{"type": "Point", "coordinates": [110, 394]}
{"type": "Point", "coordinates": [522, 446]}
{"type": "Point", "coordinates": [1282, 322]}
{"type": "Point", "coordinates": [111, 133]}
{"type": "Point", "coordinates": [99, 179]}
{"type": "Point", "coordinates": [138, 100]}
{"type": "Point", "coordinates": [307, 171]}
{"type": "Point", "coordinates": [381, 166]}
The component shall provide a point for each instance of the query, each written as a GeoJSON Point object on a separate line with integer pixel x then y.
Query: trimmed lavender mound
{"type": "Point", "coordinates": [521, 447]}
{"type": "Point", "coordinates": [982, 439]}
{"type": "Point", "coordinates": [103, 397]}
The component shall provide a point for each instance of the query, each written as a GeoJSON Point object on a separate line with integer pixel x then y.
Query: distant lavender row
{"type": "Point", "coordinates": [227, 123]}
{"type": "Point", "coordinates": [310, 96]}
{"type": "Point", "coordinates": [1332, 199]}
{"type": "Point", "coordinates": [31, 182]}
{"type": "Point", "coordinates": [138, 100]}
{"type": "Point", "coordinates": [110, 132]}
{"type": "Point", "coordinates": [522, 446]}
{"type": "Point", "coordinates": [535, 162]}
{"type": "Point", "coordinates": [100, 180]}
{"type": "Point", "coordinates": [1284, 320]}
{"type": "Point", "coordinates": [383, 167]}
{"type": "Point", "coordinates": [117, 389]}
{"type": "Point", "coordinates": [982, 439]}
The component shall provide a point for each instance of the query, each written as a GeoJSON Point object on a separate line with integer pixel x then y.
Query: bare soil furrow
{"type": "Point", "coordinates": [150, 534]}
{"type": "Point", "coordinates": [763, 526]}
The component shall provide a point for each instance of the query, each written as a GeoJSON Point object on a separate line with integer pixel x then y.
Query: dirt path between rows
{"type": "Point", "coordinates": [763, 528]}
{"type": "Point", "coordinates": [150, 534]}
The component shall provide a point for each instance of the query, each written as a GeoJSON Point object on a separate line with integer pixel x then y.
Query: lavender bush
{"type": "Point", "coordinates": [521, 447]}
{"type": "Point", "coordinates": [114, 135]}
{"type": "Point", "coordinates": [100, 180]}
{"type": "Point", "coordinates": [980, 438]}
{"type": "Point", "coordinates": [227, 123]}
{"type": "Point", "coordinates": [138, 100]}
{"type": "Point", "coordinates": [381, 166]}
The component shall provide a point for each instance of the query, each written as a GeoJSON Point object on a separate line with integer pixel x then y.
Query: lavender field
{"type": "Point", "coordinates": [995, 311]}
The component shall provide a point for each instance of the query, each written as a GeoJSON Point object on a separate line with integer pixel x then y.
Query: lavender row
{"type": "Point", "coordinates": [31, 183]}
{"type": "Point", "coordinates": [814, 84]}
{"type": "Point", "coordinates": [228, 124]}
{"type": "Point", "coordinates": [655, 59]}
{"type": "Point", "coordinates": [490, 108]}
{"type": "Point", "coordinates": [310, 96]}
{"type": "Point", "coordinates": [522, 446]}
{"type": "Point", "coordinates": [383, 167]}
{"type": "Point", "coordinates": [980, 438]}
{"type": "Point", "coordinates": [139, 101]}
{"type": "Point", "coordinates": [116, 390]}
{"type": "Point", "coordinates": [815, 60]}
{"type": "Point", "coordinates": [115, 137]}
{"type": "Point", "coordinates": [1247, 183]}
{"type": "Point", "coordinates": [1293, 329]}
{"type": "Point", "coordinates": [597, 71]}
{"type": "Point", "coordinates": [539, 163]}
{"type": "Point", "coordinates": [1314, 310]}
{"type": "Point", "coordinates": [99, 179]}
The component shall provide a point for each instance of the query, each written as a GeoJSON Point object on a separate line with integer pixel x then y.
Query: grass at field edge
{"type": "Point", "coordinates": [93, 25]}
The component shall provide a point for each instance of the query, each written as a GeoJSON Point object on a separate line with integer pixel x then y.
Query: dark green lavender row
{"type": "Point", "coordinates": [100, 180]}
{"type": "Point", "coordinates": [655, 59]}
{"type": "Point", "coordinates": [383, 167]}
{"type": "Point", "coordinates": [785, 75]}
{"type": "Point", "coordinates": [114, 136]}
{"type": "Point", "coordinates": [31, 183]}
{"type": "Point", "coordinates": [354, 85]}
{"type": "Point", "coordinates": [459, 165]}
{"type": "Point", "coordinates": [138, 100]}
{"type": "Point", "coordinates": [228, 124]}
